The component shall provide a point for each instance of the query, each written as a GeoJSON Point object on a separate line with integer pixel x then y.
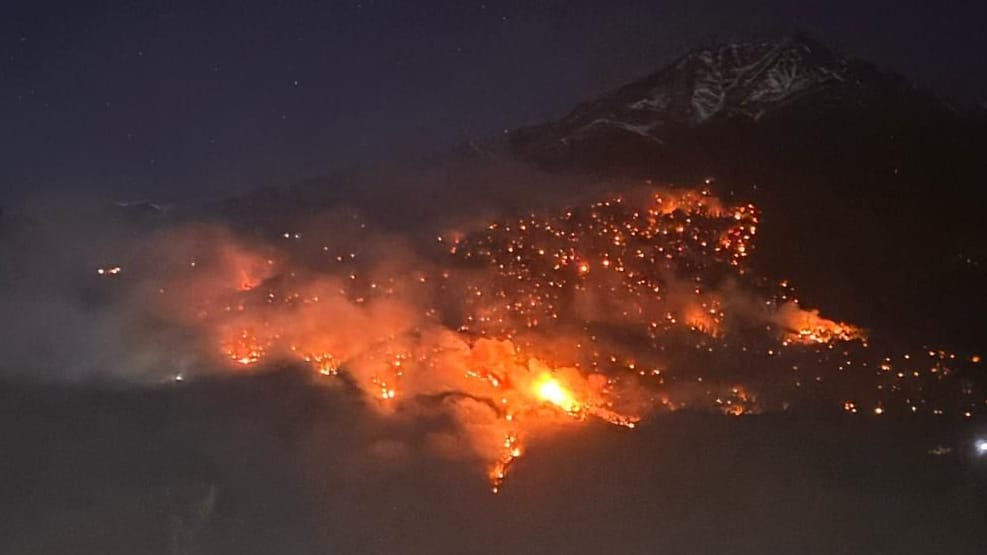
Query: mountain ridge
{"type": "Point", "coordinates": [733, 85]}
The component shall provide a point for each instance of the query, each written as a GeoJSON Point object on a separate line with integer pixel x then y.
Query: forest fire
{"type": "Point", "coordinates": [611, 311]}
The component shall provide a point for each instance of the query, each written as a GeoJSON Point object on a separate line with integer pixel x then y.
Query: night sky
{"type": "Point", "coordinates": [185, 100]}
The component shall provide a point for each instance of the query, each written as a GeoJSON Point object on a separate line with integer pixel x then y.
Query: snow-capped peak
{"type": "Point", "coordinates": [740, 82]}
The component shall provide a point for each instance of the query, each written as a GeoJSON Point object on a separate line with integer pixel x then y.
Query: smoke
{"type": "Point", "coordinates": [491, 332]}
{"type": "Point", "coordinates": [61, 321]}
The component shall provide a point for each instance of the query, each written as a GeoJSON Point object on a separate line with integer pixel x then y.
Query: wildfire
{"type": "Point", "coordinates": [611, 310]}
{"type": "Point", "coordinates": [244, 349]}
{"type": "Point", "coordinates": [324, 362]}
{"type": "Point", "coordinates": [540, 273]}
{"type": "Point", "coordinates": [808, 327]}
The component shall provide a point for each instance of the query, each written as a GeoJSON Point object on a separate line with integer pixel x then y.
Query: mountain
{"type": "Point", "coordinates": [722, 91]}
{"type": "Point", "coordinates": [870, 187]}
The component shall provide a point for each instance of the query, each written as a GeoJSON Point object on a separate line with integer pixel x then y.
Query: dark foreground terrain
{"type": "Point", "coordinates": [276, 464]}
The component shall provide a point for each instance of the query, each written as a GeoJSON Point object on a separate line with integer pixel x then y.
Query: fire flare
{"type": "Point", "coordinates": [549, 389]}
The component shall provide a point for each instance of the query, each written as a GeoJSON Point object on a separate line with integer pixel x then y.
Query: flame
{"type": "Point", "coordinates": [244, 348]}
{"type": "Point", "coordinates": [549, 389]}
{"type": "Point", "coordinates": [807, 326]}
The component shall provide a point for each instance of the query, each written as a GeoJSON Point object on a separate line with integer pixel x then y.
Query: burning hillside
{"type": "Point", "coordinates": [632, 304]}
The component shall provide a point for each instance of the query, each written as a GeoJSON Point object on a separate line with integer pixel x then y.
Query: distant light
{"type": "Point", "coordinates": [980, 446]}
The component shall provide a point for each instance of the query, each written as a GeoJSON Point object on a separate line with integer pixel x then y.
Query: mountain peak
{"type": "Point", "coordinates": [733, 84]}
{"type": "Point", "coordinates": [750, 79]}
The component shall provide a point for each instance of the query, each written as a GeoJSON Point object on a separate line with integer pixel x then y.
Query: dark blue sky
{"type": "Point", "coordinates": [177, 100]}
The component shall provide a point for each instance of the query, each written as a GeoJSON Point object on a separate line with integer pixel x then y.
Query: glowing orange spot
{"type": "Point", "coordinates": [549, 389]}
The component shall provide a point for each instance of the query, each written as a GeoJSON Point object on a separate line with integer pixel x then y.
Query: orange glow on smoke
{"type": "Point", "coordinates": [508, 324]}
{"type": "Point", "coordinates": [807, 327]}
{"type": "Point", "coordinates": [244, 349]}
